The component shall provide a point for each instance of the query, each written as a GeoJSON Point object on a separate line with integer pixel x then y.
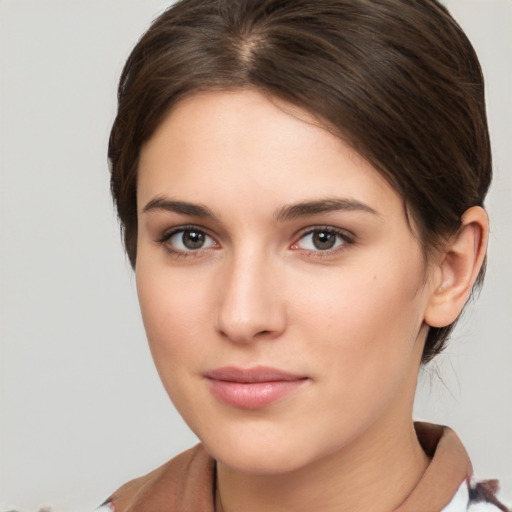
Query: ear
{"type": "Point", "coordinates": [458, 266]}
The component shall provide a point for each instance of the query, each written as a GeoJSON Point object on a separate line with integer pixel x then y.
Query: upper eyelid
{"type": "Point", "coordinates": [167, 233]}
{"type": "Point", "coordinates": [311, 229]}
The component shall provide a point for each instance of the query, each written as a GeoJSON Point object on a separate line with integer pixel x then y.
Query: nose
{"type": "Point", "coordinates": [250, 305]}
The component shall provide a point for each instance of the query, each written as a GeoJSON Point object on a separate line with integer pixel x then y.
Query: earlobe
{"type": "Point", "coordinates": [460, 263]}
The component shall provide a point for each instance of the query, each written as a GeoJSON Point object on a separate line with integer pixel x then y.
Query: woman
{"type": "Point", "coordinates": [300, 187]}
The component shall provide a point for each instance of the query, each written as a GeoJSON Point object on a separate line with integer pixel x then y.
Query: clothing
{"type": "Point", "coordinates": [187, 482]}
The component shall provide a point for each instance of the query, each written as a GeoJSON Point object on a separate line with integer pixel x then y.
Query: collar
{"type": "Point", "coordinates": [449, 467]}
{"type": "Point", "coordinates": [187, 482]}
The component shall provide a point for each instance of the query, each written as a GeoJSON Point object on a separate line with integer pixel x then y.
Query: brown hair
{"type": "Point", "coordinates": [396, 79]}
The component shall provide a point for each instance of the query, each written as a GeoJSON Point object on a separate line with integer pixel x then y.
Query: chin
{"type": "Point", "coordinates": [260, 454]}
{"type": "Point", "coordinates": [258, 462]}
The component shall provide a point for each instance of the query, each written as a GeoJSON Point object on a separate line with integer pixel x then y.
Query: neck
{"type": "Point", "coordinates": [377, 476]}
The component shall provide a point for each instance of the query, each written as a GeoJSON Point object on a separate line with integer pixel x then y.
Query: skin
{"type": "Point", "coordinates": [351, 320]}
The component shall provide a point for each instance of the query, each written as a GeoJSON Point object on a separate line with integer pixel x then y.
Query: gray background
{"type": "Point", "coordinates": [81, 407]}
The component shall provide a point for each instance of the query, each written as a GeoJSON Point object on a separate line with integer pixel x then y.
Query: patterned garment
{"type": "Point", "coordinates": [187, 482]}
{"type": "Point", "coordinates": [471, 498]}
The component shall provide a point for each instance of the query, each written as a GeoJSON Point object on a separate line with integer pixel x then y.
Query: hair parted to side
{"type": "Point", "coordinates": [396, 79]}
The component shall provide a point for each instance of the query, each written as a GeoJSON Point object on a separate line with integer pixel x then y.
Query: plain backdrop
{"type": "Point", "coordinates": [81, 407]}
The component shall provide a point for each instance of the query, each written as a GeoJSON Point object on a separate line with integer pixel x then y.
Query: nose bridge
{"type": "Point", "coordinates": [249, 301]}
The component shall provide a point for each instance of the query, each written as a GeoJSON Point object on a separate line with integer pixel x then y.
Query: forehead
{"type": "Point", "coordinates": [245, 144]}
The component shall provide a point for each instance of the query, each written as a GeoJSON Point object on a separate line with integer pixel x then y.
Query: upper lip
{"type": "Point", "coordinates": [251, 375]}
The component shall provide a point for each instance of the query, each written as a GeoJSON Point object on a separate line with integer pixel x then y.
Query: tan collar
{"type": "Point", "coordinates": [187, 482]}
{"type": "Point", "coordinates": [449, 467]}
{"type": "Point", "coordinates": [184, 484]}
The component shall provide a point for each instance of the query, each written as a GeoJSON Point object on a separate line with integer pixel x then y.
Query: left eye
{"type": "Point", "coordinates": [190, 239]}
{"type": "Point", "coordinates": [321, 239]}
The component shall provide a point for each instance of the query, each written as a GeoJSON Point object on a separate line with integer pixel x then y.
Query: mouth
{"type": "Point", "coordinates": [252, 388]}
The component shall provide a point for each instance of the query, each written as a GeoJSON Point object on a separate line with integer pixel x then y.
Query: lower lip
{"type": "Point", "coordinates": [253, 395]}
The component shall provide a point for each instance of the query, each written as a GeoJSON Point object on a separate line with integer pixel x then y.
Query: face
{"type": "Point", "coordinates": [282, 290]}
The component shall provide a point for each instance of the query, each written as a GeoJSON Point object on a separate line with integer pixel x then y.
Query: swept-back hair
{"type": "Point", "coordinates": [396, 79]}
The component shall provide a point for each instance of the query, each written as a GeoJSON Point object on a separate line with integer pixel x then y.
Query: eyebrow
{"type": "Point", "coordinates": [317, 207]}
{"type": "Point", "coordinates": [288, 212]}
{"type": "Point", "coordinates": [183, 207]}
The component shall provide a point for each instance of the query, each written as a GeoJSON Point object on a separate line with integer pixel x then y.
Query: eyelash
{"type": "Point", "coordinates": [345, 238]}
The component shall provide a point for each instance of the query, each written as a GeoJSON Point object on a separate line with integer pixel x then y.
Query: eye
{"type": "Point", "coordinates": [322, 239]}
{"type": "Point", "coordinates": [187, 239]}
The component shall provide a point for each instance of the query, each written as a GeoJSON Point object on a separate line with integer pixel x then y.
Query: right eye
{"type": "Point", "coordinates": [187, 239]}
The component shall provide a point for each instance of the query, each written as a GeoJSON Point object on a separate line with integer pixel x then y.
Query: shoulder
{"type": "Point", "coordinates": [447, 484]}
{"type": "Point", "coordinates": [184, 483]}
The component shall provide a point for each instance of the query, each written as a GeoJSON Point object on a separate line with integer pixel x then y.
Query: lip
{"type": "Point", "coordinates": [252, 388]}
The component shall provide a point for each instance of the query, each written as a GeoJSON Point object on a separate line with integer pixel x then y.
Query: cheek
{"type": "Point", "coordinates": [174, 318]}
{"type": "Point", "coordinates": [173, 315]}
{"type": "Point", "coordinates": [367, 322]}
{"type": "Point", "coordinates": [362, 337]}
